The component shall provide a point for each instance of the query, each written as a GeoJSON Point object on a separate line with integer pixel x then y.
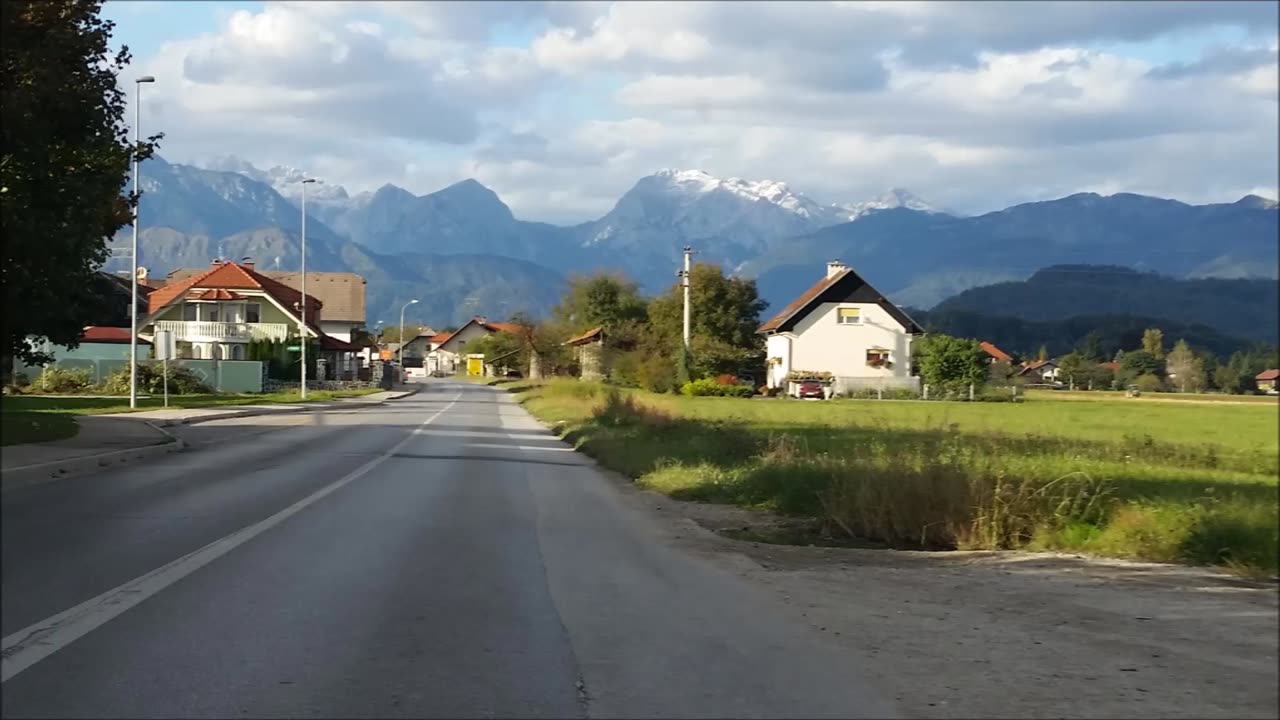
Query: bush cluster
{"type": "Point", "coordinates": [712, 387]}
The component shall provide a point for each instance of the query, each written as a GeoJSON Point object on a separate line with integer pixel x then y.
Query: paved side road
{"type": "Point", "coordinates": [441, 556]}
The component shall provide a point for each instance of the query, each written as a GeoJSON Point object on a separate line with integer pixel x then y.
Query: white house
{"type": "Point", "coordinates": [842, 326]}
{"type": "Point", "coordinates": [447, 351]}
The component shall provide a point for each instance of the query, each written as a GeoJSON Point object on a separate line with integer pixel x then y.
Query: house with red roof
{"type": "Point", "coordinates": [450, 348]}
{"type": "Point", "coordinates": [1267, 381]}
{"type": "Point", "coordinates": [995, 354]}
{"type": "Point", "coordinates": [215, 314]}
{"type": "Point", "coordinates": [842, 326]}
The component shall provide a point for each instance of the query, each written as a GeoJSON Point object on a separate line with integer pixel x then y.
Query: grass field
{"type": "Point", "coordinates": [1155, 481]}
{"type": "Point", "coordinates": [82, 405]}
{"type": "Point", "coordinates": [1273, 400]}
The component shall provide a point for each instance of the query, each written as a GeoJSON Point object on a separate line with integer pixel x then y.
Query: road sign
{"type": "Point", "coordinates": [166, 347]}
{"type": "Point", "coordinates": [293, 348]}
{"type": "Point", "coordinates": [384, 354]}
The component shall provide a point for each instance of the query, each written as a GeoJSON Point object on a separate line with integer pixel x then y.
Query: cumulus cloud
{"type": "Point", "coordinates": [971, 105]}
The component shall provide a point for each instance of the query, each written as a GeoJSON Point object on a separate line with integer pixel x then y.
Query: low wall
{"type": "Point", "coordinates": [843, 385]}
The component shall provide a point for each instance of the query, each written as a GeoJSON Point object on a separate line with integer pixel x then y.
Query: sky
{"type": "Point", "coordinates": [560, 107]}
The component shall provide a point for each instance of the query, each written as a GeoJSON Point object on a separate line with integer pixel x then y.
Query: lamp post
{"type": "Point", "coordinates": [133, 254]}
{"type": "Point", "coordinates": [400, 350]}
{"type": "Point", "coordinates": [304, 286]}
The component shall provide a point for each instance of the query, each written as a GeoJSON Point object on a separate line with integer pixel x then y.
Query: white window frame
{"type": "Point", "coordinates": [841, 319]}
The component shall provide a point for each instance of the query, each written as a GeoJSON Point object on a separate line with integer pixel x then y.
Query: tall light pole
{"type": "Point", "coordinates": [133, 254]}
{"type": "Point", "coordinates": [400, 350]}
{"type": "Point", "coordinates": [304, 285]}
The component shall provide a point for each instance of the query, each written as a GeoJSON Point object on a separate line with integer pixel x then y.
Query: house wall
{"type": "Point", "coordinates": [268, 311]}
{"type": "Point", "coordinates": [341, 329]}
{"type": "Point", "coordinates": [778, 346]}
{"type": "Point", "coordinates": [458, 341]}
{"type": "Point", "coordinates": [820, 344]}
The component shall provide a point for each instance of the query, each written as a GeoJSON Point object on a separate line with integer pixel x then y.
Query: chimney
{"type": "Point", "coordinates": [835, 267]}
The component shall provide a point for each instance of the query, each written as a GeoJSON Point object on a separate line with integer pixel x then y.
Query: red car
{"type": "Point", "coordinates": [811, 389]}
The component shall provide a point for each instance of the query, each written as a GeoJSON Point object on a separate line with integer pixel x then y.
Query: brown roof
{"type": "Point", "coordinates": [114, 335]}
{"type": "Point", "coordinates": [1268, 375]}
{"type": "Point", "coordinates": [214, 294]}
{"type": "Point", "coordinates": [342, 293]}
{"type": "Point", "coordinates": [1035, 365]}
{"type": "Point", "coordinates": [230, 276]}
{"type": "Point", "coordinates": [585, 337]}
{"type": "Point", "coordinates": [802, 304]}
{"type": "Point", "coordinates": [1110, 365]}
{"type": "Point", "coordinates": [995, 352]}
{"type": "Point", "coordinates": [502, 327]}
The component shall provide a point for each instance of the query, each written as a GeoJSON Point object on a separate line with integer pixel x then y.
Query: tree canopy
{"type": "Point", "coordinates": [66, 158]}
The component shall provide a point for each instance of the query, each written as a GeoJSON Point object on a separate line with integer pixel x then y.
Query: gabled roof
{"type": "Point", "coordinates": [481, 322]}
{"type": "Point", "coordinates": [214, 294]}
{"type": "Point", "coordinates": [586, 337]}
{"type": "Point", "coordinates": [1268, 375]}
{"type": "Point", "coordinates": [230, 276]}
{"type": "Point", "coordinates": [995, 352]}
{"type": "Point", "coordinates": [1110, 365]}
{"type": "Point", "coordinates": [1036, 365]}
{"type": "Point", "coordinates": [501, 327]}
{"type": "Point", "coordinates": [812, 297]}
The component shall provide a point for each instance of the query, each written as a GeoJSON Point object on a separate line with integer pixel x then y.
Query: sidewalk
{"type": "Point", "coordinates": [105, 440]}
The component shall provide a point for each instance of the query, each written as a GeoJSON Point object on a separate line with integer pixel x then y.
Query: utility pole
{"type": "Point", "coordinates": [133, 253]}
{"type": "Point", "coordinates": [684, 282]}
{"type": "Point", "coordinates": [304, 286]}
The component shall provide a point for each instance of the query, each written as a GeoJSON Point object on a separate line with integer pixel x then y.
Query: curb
{"type": "Point", "coordinates": [28, 475]}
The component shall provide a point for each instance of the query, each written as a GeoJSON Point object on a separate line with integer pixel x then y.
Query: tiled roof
{"type": "Point", "coordinates": [585, 337]}
{"type": "Point", "coordinates": [801, 302]}
{"type": "Point", "coordinates": [439, 338]}
{"type": "Point", "coordinates": [231, 276]}
{"type": "Point", "coordinates": [101, 334]}
{"type": "Point", "coordinates": [342, 293]}
{"type": "Point", "coordinates": [1110, 365]}
{"type": "Point", "coordinates": [1268, 375]}
{"type": "Point", "coordinates": [502, 327]}
{"type": "Point", "coordinates": [995, 352]}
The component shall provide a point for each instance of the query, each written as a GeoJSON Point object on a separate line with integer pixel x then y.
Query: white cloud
{"type": "Point", "coordinates": [971, 105]}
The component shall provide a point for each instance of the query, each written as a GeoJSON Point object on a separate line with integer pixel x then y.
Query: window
{"type": "Point", "coordinates": [252, 313]}
{"type": "Point", "coordinates": [189, 312]}
{"type": "Point", "coordinates": [196, 352]}
{"type": "Point", "coordinates": [211, 313]}
{"type": "Point", "coordinates": [878, 358]}
{"type": "Point", "coordinates": [237, 352]}
{"type": "Point", "coordinates": [848, 316]}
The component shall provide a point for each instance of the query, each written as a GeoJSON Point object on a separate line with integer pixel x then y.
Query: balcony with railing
{"type": "Point", "coordinates": [204, 331]}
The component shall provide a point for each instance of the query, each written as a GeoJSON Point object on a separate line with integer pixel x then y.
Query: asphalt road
{"type": "Point", "coordinates": [442, 556]}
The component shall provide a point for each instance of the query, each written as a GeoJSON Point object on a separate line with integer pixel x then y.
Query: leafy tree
{"type": "Point", "coordinates": [724, 315]}
{"type": "Point", "coordinates": [1043, 354]}
{"type": "Point", "coordinates": [951, 363]}
{"type": "Point", "coordinates": [1139, 362]}
{"type": "Point", "coordinates": [1149, 383]}
{"type": "Point", "coordinates": [1153, 342]}
{"type": "Point", "coordinates": [64, 161]}
{"type": "Point", "coordinates": [1185, 369]}
{"type": "Point", "coordinates": [603, 299]}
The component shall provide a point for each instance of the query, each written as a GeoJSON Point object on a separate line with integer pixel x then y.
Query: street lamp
{"type": "Point", "coordinates": [137, 208]}
{"type": "Point", "coordinates": [400, 350]}
{"type": "Point", "coordinates": [304, 285]}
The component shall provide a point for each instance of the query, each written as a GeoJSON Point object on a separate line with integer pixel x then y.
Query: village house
{"type": "Point", "coordinates": [842, 326]}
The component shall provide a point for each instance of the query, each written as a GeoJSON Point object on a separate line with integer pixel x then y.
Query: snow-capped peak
{"type": "Point", "coordinates": [893, 198]}
{"type": "Point", "coordinates": [772, 191]}
{"type": "Point", "coordinates": [283, 179]}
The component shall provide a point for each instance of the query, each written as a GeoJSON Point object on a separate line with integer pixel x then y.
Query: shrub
{"type": "Point", "coordinates": [151, 381]}
{"type": "Point", "coordinates": [1149, 383]}
{"type": "Point", "coordinates": [622, 409]}
{"type": "Point", "coordinates": [61, 380]}
{"type": "Point", "coordinates": [656, 374]}
{"type": "Point", "coordinates": [710, 387]}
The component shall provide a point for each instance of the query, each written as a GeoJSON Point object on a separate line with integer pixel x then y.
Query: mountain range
{"type": "Point", "coordinates": [461, 251]}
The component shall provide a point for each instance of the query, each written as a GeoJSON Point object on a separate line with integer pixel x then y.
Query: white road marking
{"type": "Point", "coordinates": [32, 644]}
{"type": "Point", "coordinates": [520, 447]}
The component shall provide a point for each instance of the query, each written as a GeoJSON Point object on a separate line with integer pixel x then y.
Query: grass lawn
{"type": "Point", "coordinates": [33, 427]}
{"type": "Point", "coordinates": [107, 405]}
{"type": "Point", "coordinates": [1155, 481]}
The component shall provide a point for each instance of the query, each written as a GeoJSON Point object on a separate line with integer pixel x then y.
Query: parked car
{"type": "Point", "coordinates": [811, 389]}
